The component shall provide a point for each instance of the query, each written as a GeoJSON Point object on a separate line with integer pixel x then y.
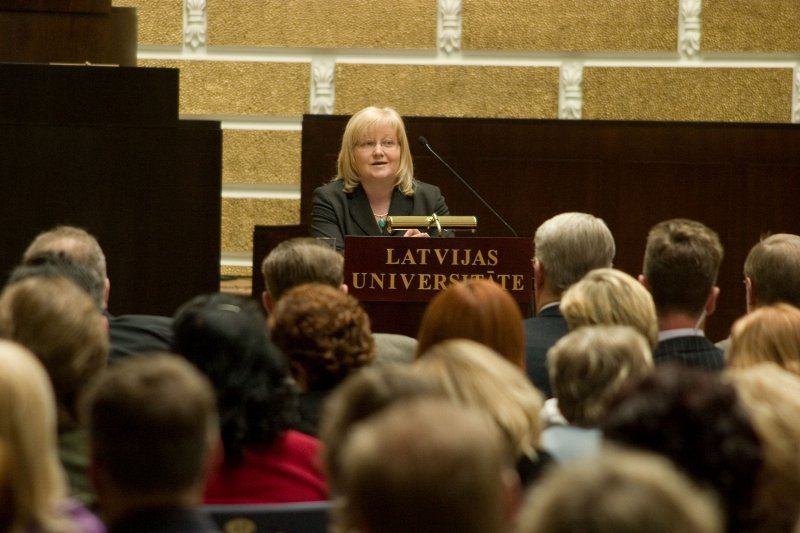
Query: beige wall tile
{"type": "Point", "coordinates": [261, 157]}
{"type": "Point", "coordinates": [240, 88]}
{"type": "Point", "coordinates": [326, 24]}
{"type": "Point", "coordinates": [750, 26]}
{"type": "Point", "coordinates": [239, 215]}
{"type": "Point", "coordinates": [160, 21]}
{"type": "Point", "coordinates": [514, 92]}
{"type": "Point", "coordinates": [694, 94]}
{"type": "Point", "coordinates": [571, 25]}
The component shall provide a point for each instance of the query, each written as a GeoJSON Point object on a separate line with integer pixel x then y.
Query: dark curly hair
{"type": "Point", "coordinates": [696, 419]}
{"type": "Point", "coordinates": [323, 330]}
{"type": "Point", "coordinates": [225, 336]}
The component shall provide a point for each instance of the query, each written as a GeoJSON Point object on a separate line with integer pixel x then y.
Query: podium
{"type": "Point", "coordinates": [394, 278]}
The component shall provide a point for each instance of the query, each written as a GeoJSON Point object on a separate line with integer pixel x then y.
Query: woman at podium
{"type": "Point", "coordinates": [375, 179]}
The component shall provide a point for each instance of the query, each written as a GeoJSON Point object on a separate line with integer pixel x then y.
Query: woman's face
{"type": "Point", "coordinates": [378, 155]}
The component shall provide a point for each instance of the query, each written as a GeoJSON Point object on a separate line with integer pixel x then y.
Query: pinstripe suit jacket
{"type": "Point", "coordinates": [690, 350]}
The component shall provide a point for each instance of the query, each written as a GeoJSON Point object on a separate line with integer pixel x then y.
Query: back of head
{"type": "Point", "coordinates": [681, 263]}
{"type": "Point", "coordinates": [324, 331]}
{"type": "Point", "coordinates": [52, 264]}
{"type": "Point", "coordinates": [152, 424]}
{"type": "Point", "coordinates": [694, 418]}
{"type": "Point", "coordinates": [302, 260]}
{"type": "Point", "coordinates": [480, 310]}
{"type": "Point", "coordinates": [773, 267]}
{"type": "Point", "coordinates": [770, 333]}
{"type": "Point", "coordinates": [621, 492]}
{"type": "Point", "coordinates": [76, 243]}
{"type": "Point", "coordinates": [361, 396]}
{"type": "Point", "coordinates": [771, 396]}
{"type": "Point", "coordinates": [591, 364]}
{"type": "Point", "coordinates": [608, 296]}
{"type": "Point", "coordinates": [64, 328]}
{"type": "Point", "coordinates": [226, 337]}
{"type": "Point", "coordinates": [28, 428]}
{"type": "Point", "coordinates": [571, 244]}
{"type": "Point", "coordinates": [425, 466]}
{"type": "Point", "coordinates": [472, 375]}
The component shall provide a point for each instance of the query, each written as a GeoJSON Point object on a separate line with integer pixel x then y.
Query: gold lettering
{"type": "Point", "coordinates": [479, 260]}
{"type": "Point", "coordinates": [439, 282]}
{"type": "Point", "coordinates": [359, 284]}
{"type": "Point", "coordinates": [423, 255]}
{"type": "Point", "coordinates": [392, 277]}
{"type": "Point", "coordinates": [492, 255]}
{"type": "Point", "coordinates": [407, 279]}
{"type": "Point", "coordinates": [518, 282]}
{"type": "Point", "coordinates": [468, 255]}
{"type": "Point", "coordinates": [441, 254]}
{"type": "Point", "coordinates": [377, 281]}
{"type": "Point", "coordinates": [424, 282]}
{"type": "Point", "coordinates": [408, 259]}
{"type": "Point", "coordinates": [390, 260]}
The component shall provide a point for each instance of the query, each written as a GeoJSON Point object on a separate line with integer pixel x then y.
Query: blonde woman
{"type": "Point", "coordinates": [375, 179]}
{"type": "Point", "coordinates": [28, 426]}
{"type": "Point", "coordinates": [474, 375]}
{"type": "Point", "coordinates": [609, 296]}
{"type": "Point", "coordinates": [770, 333]}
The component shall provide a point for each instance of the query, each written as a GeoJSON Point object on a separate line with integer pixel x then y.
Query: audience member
{"type": "Point", "coordinates": [771, 274]}
{"type": "Point", "coordinates": [325, 335]}
{"type": "Point", "coordinates": [264, 460]}
{"type": "Point", "coordinates": [694, 418]}
{"type": "Point", "coordinates": [769, 333]}
{"type": "Point", "coordinates": [681, 263]}
{"type": "Point", "coordinates": [479, 310]}
{"type": "Point", "coordinates": [308, 260]}
{"type": "Point", "coordinates": [37, 490]}
{"type": "Point", "coordinates": [771, 396]}
{"type": "Point", "coordinates": [473, 376]}
{"type": "Point", "coordinates": [619, 492]}
{"type": "Point", "coordinates": [64, 328]}
{"type": "Point", "coordinates": [427, 466]}
{"type": "Point", "coordinates": [153, 426]}
{"type": "Point", "coordinates": [361, 396]}
{"type": "Point", "coordinates": [607, 296]}
{"type": "Point", "coordinates": [588, 367]}
{"type": "Point", "coordinates": [566, 248]}
{"type": "Point", "coordinates": [130, 333]}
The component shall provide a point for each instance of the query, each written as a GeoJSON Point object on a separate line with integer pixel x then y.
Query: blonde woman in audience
{"type": "Point", "coordinates": [609, 296]}
{"type": "Point", "coordinates": [588, 367]}
{"type": "Point", "coordinates": [619, 491]}
{"type": "Point", "coordinates": [770, 333]}
{"type": "Point", "coordinates": [28, 427]}
{"type": "Point", "coordinates": [480, 310]}
{"type": "Point", "coordinates": [64, 328]}
{"type": "Point", "coordinates": [473, 375]}
{"type": "Point", "coordinates": [771, 396]}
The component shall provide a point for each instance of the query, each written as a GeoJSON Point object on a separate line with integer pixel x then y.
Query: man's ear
{"type": "Point", "coordinates": [749, 294]}
{"type": "Point", "coordinates": [643, 280]}
{"type": "Point", "coordinates": [106, 292]}
{"type": "Point", "coordinates": [539, 274]}
{"type": "Point", "coordinates": [266, 299]}
{"type": "Point", "coordinates": [344, 288]}
{"type": "Point", "coordinates": [512, 493]}
{"type": "Point", "coordinates": [711, 302]}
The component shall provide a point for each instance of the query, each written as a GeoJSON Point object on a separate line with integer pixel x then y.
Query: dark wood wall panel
{"type": "Point", "coordinates": [742, 180]}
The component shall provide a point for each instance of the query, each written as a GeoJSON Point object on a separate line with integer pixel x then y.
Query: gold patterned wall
{"type": "Point", "coordinates": [258, 66]}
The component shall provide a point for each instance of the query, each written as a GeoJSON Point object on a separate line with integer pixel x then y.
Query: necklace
{"type": "Point", "coordinates": [381, 219]}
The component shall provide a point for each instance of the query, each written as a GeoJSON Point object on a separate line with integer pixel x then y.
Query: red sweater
{"type": "Point", "coordinates": [286, 471]}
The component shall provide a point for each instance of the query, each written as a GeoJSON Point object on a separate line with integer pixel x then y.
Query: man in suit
{"type": "Point", "coordinates": [681, 263]}
{"type": "Point", "coordinates": [152, 429]}
{"type": "Point", "coordinates": [566, 247]}
{"type": "Point", "coordinates": [771, 274]}
{"type": "Point", "coordinates": [128, 333]}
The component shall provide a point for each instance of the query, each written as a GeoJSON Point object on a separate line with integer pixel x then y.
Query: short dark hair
{"type": "Point", "coordinates": [773, 266]}
{"type": "Point", "coordinates": [50, 264]}
{"type": "Point", "coordinates": [152, 423]}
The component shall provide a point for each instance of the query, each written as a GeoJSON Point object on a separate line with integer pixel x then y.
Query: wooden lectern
{"type": "Point", "coordinates": [394, 278]}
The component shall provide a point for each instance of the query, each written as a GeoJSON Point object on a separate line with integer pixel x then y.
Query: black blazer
{"type": "Point", "coordinates": [335, 213]}
{"type": "Point", "coordinates": [541, 333]}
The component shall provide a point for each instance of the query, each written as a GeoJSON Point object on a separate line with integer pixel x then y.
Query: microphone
{"type": "Point", "coordinates": [424, 142]}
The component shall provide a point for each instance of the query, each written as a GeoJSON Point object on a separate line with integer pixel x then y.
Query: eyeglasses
{"type": "Point", "coordinates": [386, 144]}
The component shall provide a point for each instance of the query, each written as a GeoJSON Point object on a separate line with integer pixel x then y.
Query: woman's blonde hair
{"type": "Point", "coordinates": [474, 375]}
{"type": "Point", "coordinates": [28, 426]}
{"type": "Point", "coordinates": [612, 297]}
{"type": "Point", "coordinates": [357, 130]}
{"type": "Point", "coordinates": [770, 333]}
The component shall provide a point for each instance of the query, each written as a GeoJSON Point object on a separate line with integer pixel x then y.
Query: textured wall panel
{"type": "Point", "coordinates": [240, 88]}
{"type": "Point", "coordinates": [326, 24]}
{"type": "Point", "coordinates": [694, 94]}
{"type": "Point", "coordinates": [160, 21]}
{"type": "Point", "coordinates": [570, 25]}
{"type": "Point", "coordinates": [261, 157]}
{"type": "Point", "coordinates": [751, 26]}
{"type": "Point", "coordinates": [512, 92]}
{"type": "Point", "coordinates": [239, 215]}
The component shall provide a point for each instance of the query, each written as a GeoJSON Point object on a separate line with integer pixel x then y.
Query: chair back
{"type": "Point", "coordinates": [301, 517]}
